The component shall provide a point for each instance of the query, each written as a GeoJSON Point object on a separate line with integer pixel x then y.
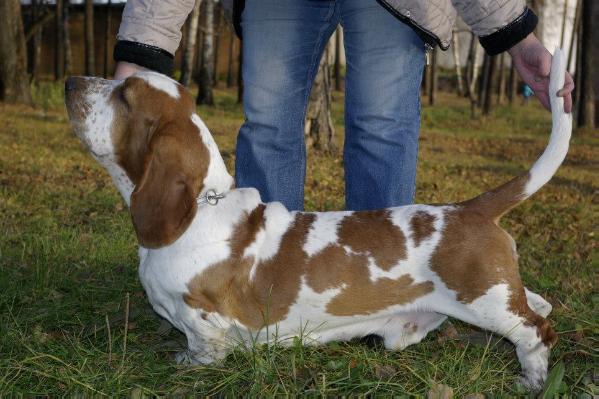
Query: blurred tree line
{"type": "Point", "coordinates": [209, 46]}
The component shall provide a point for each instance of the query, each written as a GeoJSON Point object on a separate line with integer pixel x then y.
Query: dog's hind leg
{"type": "Point", "coordinates": [405, 329]}
{"type": "Point", "coordinates": [504, 309]}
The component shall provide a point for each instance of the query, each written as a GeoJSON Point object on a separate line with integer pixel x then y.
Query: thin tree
{"type": "Point", "coordinates": [484, 81]}
{"type": "Point", "coordinates": [338, 45]}
{"type": "Point", "coordinates": [490, 83]}
{"type": "Point", "coordinates": [575, 29]}
{"type": "Point", "coordinates": [190, 45]}
{"type": "Point", "coordinates": [513, 84]}
{"type": "Point", "coordinates": [90, 62]}
{"type": "Point", "coordinates": [230, 61]}
{"type": "Point", "coordinates": [432, 94]}
{"type": "Point", "coordinates": [502, 80]}
{"type": "Point", "coordinates": [14, 82]}
{"type": "Point", "coordinates": [218, 14]}
{"type": "Point", "coordinates": [58, 42]}
{"type": "Point", "coordinates": [318, 128]}
{"type": "Point", "coordinates": [586, 113]}
{"type": "Point", "coordinates": [206, 80]}
{"type": "Point", "coordinates": [456, 60]}
{"type": "Point", "coordinates": [68, 54]}
{"type": "Point", "coordinates": [472, 74]}
{"type": "Point", "coordinates": [36, 43]}
{"type": "Point", "coordinates": [564, 19]}
{"type": "Point", "coordinates": [107, 33]}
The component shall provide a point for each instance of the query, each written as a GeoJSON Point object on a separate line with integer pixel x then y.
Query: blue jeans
{"type": "Point", "coordinates": [283, 41]}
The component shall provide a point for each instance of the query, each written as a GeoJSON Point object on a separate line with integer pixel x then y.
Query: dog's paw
{"type": "Point", "coordinates": [193, 358]}
{"type": "Point", "coordinates": [183, 357]}
{"type": "Point", "coordinates": [532, 383]}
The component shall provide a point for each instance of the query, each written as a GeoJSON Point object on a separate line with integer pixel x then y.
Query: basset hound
{"type": "Point", "coordinates": [222, 266]}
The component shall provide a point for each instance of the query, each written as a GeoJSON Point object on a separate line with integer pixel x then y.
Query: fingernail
{"type": "Point", "coordinates": [538, 78]}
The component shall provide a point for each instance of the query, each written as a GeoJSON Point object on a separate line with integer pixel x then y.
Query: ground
{"type": "Point", "coordinates": [68, 267]}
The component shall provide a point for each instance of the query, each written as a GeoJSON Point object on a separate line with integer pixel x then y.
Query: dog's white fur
{"type": "Point", "coordinates": [166, 272]}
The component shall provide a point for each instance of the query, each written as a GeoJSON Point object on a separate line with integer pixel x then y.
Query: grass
{"type": "Point", "coordinates": [68, 268]}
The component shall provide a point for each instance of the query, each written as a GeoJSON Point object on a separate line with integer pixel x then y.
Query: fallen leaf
{"type": "Point", "coordinates": [440, 391]}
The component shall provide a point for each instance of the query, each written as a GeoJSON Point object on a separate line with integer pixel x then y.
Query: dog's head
{"type": "Point", "coordinates": [144, 131]}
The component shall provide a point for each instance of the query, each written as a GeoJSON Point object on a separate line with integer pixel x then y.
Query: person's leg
{"type": "Point", "coordinates": [385, 60]}
{"type": "Point", "coordinates": [282, 44]}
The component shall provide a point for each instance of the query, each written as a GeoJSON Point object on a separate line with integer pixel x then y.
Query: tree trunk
{"type": "Point", "coordinates": [586, 114]}
{"type": "Point", "coordinates": [36, 44]}
{"type": "Point", "coordinates": [502, 80]}
{"type": "Point", "coordinates": [240, 74]}
{"type": "Point", "coordinates": [58, 43]}
{"type": "Point", "coordinates": [564, 19]}
{"type": "Point", "coordinates": [457, 62]}
{"type": "Point", "coordinates": [338, 45]}
{"type": "Point", "coordinates": [199, 50]}
{"type": "Point", "coordinates": [575, 30]}
{"type": "Point", "coordinates": [319, 128]}
{"type": "Point", "coordinates": [230, 61]}
{"type": "Point", "coordinates": [90, 61]}
{"type": "Point", "coordinates": [14, 82]}
{"type": "Point", "coordinates": [39, 23]}
{"type": "Point", "coordinates": [68, 54]}
{"type": "Point", "coordinates": [513, 84]}
{"type": "Point", "coordinates": [190, 45]}
{"type": "Point", "coordinates": [107, 34]}
{"type": "Point", "coordinates": [578, 76]}
{"type": "Point", "coordinates": [472, 74]}
{"type": "Point", "coordinates": [484, 83]}
{"type": "Point", "coordinates": [475, 66]}
{"type": "Point", "coordinates": [595, 52]}
{"type": "Point", "coordinates": [538, 6]}
{"type": "Point", "coordinates": [206, 79]}
{"type": "Point", "coordinates": [490, 81]}
{"type": "Point", "coordinates": [432, 94]}
{"type": "Point", "coordinates": [218, 15]}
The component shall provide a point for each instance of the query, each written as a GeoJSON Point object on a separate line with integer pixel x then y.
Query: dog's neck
{"type": "Point", "coordinates": [217, 177]}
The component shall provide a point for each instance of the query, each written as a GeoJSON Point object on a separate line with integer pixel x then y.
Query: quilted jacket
{"type": "Point", "coordinates": [150, 30]}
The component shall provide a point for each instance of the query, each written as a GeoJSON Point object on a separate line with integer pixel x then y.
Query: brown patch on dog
{"type": "Point", "coordinates": [373, 233]}
{"type": "Point", "coordinates": [474, 255]}
{"type": "Point", "coordinates": [423, 225]}
{"type": "Point", "coordinates": [226, 287]}
{"type": "Point", "coordinates": [369, 297]}
{"type": "Point", "coordinates": [162, 152]}
{"type": "Point", "coordinates": [334, 268]}
{"type": "Point", "coordinates": [518, 305]}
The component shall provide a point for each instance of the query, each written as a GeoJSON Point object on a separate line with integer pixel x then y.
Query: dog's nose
{"type": "Point", "coordinates": [71, 84]}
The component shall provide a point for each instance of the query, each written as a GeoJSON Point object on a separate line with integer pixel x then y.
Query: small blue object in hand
{"type": "Point", "coordinates": [527, 91]}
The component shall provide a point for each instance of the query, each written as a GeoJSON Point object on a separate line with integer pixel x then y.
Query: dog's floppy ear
{"type": "Point", "coordinates": [164, 201]}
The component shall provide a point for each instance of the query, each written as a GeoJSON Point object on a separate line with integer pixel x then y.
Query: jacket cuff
{"type": "Point", "coordinates": [511, 34]}
{"type": "Point", "coordinates": [144, 55]}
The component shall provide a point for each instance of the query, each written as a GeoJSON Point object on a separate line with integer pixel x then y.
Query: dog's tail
{"type": "Point", "coordinates": [497, 202]}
